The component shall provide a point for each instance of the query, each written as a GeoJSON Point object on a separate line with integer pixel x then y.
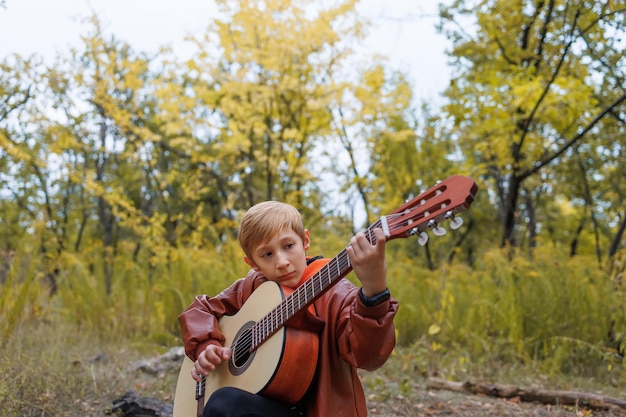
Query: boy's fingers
{"type": "Point", "coordinates": [224, 353]}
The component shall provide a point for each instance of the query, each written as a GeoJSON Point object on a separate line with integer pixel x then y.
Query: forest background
{"type": "Point", "coordinates": [123, 175]}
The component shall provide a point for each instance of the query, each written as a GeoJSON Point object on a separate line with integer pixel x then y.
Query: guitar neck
{"type": "Point", "coordinates": [424, 211]}
{"type": "Point", "coordinates": [320, 282]}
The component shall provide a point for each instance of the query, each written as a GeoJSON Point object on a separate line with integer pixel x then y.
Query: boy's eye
{"type": "Point", "coordinates": [289, 245]}
{"type": "Point", "coordinates": [266, 254]}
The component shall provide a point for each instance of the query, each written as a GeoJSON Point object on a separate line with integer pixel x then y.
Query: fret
{"type": "Point", "coordinates": [263, 329]}
{"type": "Point", "coordinates": [200, 388]}
{"type": "Point", "coordinates": [277, 323]}
{"type": "Point", "coordinates": [319, 281]}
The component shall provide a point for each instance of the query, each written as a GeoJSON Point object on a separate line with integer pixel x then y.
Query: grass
{"type": "Point", "coordinates": [54, 369]}
{"type": "Point", "coordinates": [51, 369]}
{"type": "Point", "coordinates": [549, 320]}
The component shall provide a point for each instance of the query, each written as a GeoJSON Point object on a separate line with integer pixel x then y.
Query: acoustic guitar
{"type": "Point", "coordinates": [279, 361]}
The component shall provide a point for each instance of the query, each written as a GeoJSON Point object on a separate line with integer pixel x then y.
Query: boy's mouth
{"type": "Point", "coordinates": [287, 276]}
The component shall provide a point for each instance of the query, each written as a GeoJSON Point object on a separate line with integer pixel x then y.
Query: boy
{"type": "Point", "coordinates": [356, 331]}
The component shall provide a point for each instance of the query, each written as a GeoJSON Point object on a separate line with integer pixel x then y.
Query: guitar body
{"type": "Point", "coordinates": [281, 368]}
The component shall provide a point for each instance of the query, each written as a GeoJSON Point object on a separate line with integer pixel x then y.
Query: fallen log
{"type": "Point", "coordinates": [529, 394]}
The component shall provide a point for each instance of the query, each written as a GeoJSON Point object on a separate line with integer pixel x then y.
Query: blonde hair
{"type": "Point", "coordinates": [262, 221]}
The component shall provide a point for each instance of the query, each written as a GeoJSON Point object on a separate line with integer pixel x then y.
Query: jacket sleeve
{"type": "Point", "coordinates": [365, 335]}
{"type": "Point", "coordinates": [199, 322]}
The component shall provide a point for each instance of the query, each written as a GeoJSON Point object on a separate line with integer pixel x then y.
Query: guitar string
{"type": "Point", "coordinates": [275, 319]}
{"type": "Point", "coordinates": [262, 329]}
{"type": "Point", "coordinates": [271, 322]}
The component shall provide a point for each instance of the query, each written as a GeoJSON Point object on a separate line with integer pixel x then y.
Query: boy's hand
{"type": "Point", "coordinates": [368, 262]}
{"type": "Point", "coordinates": [208, 360]}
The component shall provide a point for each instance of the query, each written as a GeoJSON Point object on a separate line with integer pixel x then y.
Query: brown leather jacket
{"type": "Point", "coordinates": [353, 336]}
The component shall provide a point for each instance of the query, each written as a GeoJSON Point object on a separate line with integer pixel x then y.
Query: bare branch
{"type": "Point", "coordinates": [607, 110]}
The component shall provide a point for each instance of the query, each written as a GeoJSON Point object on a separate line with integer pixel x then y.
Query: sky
{"type": "Point", "coordinates": [402, 30]}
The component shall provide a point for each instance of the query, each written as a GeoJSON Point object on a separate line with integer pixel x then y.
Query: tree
{"type": "Point", "coordinates": [375, 127]}
{"type": "Point", "coordinates": [28, 184]}
{"type": "Point", "coordinates": [16, 91]}
{"type": "Point", "coordinates": [265, 83]}
{"type": "Point", "coordinates": [539, 84]}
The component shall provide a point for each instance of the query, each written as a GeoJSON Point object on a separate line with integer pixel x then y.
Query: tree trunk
{"type": "Point", "coordinates": [510, 211]}
{"type": "Point", "coordinates": [618, 238]}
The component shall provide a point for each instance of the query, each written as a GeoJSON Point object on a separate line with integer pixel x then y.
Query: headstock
{"type": "Point", "coordinates": [430, 208]}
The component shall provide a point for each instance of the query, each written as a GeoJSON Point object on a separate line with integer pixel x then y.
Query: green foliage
{"type": "Point", "coordinates": [21, 297]}
{"type": "Point", "coordinates": [144, 301]}
{"type": "Point", "coordinates": [533, 104]}
{"type": "Point", "coordinates": [547, 309]}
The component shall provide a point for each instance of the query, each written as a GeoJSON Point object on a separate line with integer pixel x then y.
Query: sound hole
{"type": "Point", "coordinates": [241, 355]}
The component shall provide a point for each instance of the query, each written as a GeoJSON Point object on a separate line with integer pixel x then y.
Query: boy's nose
{"type": "Point", "coordinates": [282, 261]}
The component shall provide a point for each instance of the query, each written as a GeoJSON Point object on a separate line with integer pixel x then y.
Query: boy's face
{"type": "Point", "coordinates": [282, 258]}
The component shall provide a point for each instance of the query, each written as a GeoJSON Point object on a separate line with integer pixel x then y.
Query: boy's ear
{"type": "Point", "coordinates": [251, 263]}
{"type": "Point", "coordinates": [307, 239]}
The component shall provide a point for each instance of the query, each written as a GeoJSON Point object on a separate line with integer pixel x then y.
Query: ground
{"type": "Point", "coordinates": [424, 402]}
{"type": "Point", "coordinates": [394, 392]}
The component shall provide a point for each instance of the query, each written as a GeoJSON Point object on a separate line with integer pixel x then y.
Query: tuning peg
{"type": "Point", "coordinates": [456, 222]}
{"type": "Point", "coordinates": [437, 230]}
{"type": "Point", "coordinates": [423, 238]}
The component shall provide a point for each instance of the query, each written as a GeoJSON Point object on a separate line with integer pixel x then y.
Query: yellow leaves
{"type": "Point", "coordinates": [435, 346]}
{"type": "Point", "coordinates": [518, 99]}
{"type": "Point", "coordinates": [147, 228]}
{"type": "Point", "coordinates": [132, 73]}
{"type": "Point", "coordinates": [14, 150]}
{"type": "Point", "coordinates": [277, 35]}
{"type": "Point", "coordinates": [61, 140]}
{"type": "Point", "coordinates": [374, 79]}
{"type": "Point", "coordinates": [185, 143]}
{"type": "Point", "coordinates": [434, 329]}
{"type": "Point", "coordinates": [565, 207]}
{"type": "Point", "coordinates": [525, 93]}
{"type": "Point", "coordinates": [20, 290]}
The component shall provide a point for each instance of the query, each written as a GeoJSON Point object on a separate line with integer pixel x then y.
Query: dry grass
{"type": "Point", "coordinates": [54, 370]}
